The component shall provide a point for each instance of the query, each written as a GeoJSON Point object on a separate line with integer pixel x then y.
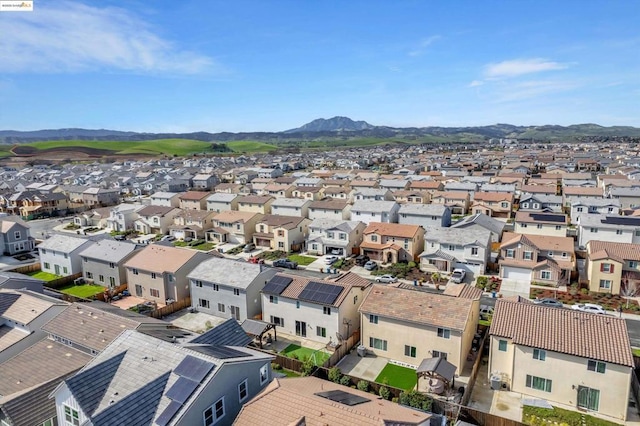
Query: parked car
{"type": "Point", "coordinates": [249, 248]}
{"type": "Point", "coordinates": [458, 276]}
{"type": "Point", "coordinates": [119, 237]}
{"type": "Point", "coordinates": [370, 265]}
{"type": "Point", "coordinates": [285, 263]}
{"type": "Point", "coordinates": [329, 260]}
{"type": "Point", "coordinates": [549, 301]}
{"type": "Point", "coordinates": [386, 279]}
{"type": "Point", "coordinates": [168, 238]}
{"type": "Point", "coordinates": [486, 311]}
{"type": "Point", "coordinates": [362, 259]}
{"type": "Point", "coordinates": [254, 259]}
{"type": "Point", "coordinates": [589, 307]}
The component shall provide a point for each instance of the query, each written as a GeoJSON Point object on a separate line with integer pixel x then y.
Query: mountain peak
{"type": "Point", "coordinates": [335, 124]}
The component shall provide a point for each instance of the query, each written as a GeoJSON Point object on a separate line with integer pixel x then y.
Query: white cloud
{"type": "Point", "coordinates": [476, 83]}
{"type": "Point", "coordinates": [519, 67]}
{"type": "Point", "coordinates": [533, 89]}
{"type": "Point", "coordinates": [69, 37]}
{"type": "Point", "coordinates": [422, 47]}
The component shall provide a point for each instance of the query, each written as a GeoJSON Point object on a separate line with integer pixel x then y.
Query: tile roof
{"type": "Point", "coordinates": [194, 195]}
{"type": "Point", "coordinates": [298, 283]}
{"type": "Point", "coordinates": [255, 199]}
{"type": "Point", "coordinates": [287, 402]}
{"type": "Point", "coordinates": [9, 336]}
{"type": "Point", "coordinates": [465, 291]}
{"type": "Point", "coordinates": [281, 221]}
{"type": "Point", "coordinates": [159, 258]}
{"type": "Point", "coordinates": [155, 210]}
{"type": "Point", "coordinates": [329, 205]}
{"type": "Point", "coordinates": [582, 334]}
{"type": "Point", "coordinates": [542, 242]}
{"type": "Point", "coordinates": [392, 229]}
{"type": "Point", "coordinates": [232, 216]}
{"type": "Point", "coordinates": [621, 251]}
{"type": "Point", "coordinates": [417, 307]}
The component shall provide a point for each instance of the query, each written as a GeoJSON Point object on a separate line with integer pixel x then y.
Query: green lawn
{"type": "Point", "coordinates": [301, 260]}
{"type": "Point", "coordinates": [85, 291]}
{"type": "Point", "coordinates": [205, 246]}
{"type": "Point", "coordinates": [303, 353]}
{"type": "Point", "coordinates": [178, 147]}
{"type": "Point", "coordinates": [250, 146]}
{"type": "Point", "coordinates": [398, 377]}
{"type": "Point", "coordinates": [636, 351]}
{"type": "Point", "coordinates": [44, 276]}
{"type": "Point", "coordinates": [559, 416]}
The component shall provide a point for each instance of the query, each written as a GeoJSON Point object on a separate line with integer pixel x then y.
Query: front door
{"type": "Point", "coordinates": [57, 269]}
{"type": "Point", "coordinates": [301, 328]}
{"type": "Point", "coordinates": [235, 313]}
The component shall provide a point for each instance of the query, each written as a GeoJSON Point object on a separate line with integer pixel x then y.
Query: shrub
{"type": "Point", "coordinates": [384, 392]}
{"type": "Point", "coordinates": [363, 385]}
{"type": "Point", "coordinates": [416, 400]}
{"type": "Point", "coordinates": [412, 264]}
{"type": "Point", "coordinates": [481, 282]}
{"type": "Point", "coordinates": [275, 366]}
{"type": "Point", "coordinates": [335, 375]}
{"type": "Point", "coordinates": [584, 291]}
{"type": "Point", "coordinates": [345, 381]}
{"type": "Point", "coordinates": [307, 367]}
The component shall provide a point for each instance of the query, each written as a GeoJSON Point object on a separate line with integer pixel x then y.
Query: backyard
{"type": "Point", "coordinates": [398, 377]}
{"type": "Point", "coordinates": [302, 353]}
{"type": "Point", "coordinates": [85, 291]}
{"type": "Point", "coordinates": [543, 416]}
{"type": "Point", "coordinates": [44, 276]}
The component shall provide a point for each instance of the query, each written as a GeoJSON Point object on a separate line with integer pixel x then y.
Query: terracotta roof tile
{"type": "Point", "coordinates": [392, 229]}
{"type": "Point", "coordinates": [619, 251]}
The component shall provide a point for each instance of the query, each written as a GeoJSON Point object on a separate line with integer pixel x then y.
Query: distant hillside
{"type": "Point", "coordinates": [335, 124]}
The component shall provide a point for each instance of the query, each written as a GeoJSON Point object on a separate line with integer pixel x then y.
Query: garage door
{"type": "Point", "coordinates": [516, 274]}
{"type": "Point", "coordinates": [469, 268]}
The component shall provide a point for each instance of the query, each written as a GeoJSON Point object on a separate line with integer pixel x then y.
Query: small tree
{"type": "Point", "coordinates": [435, 277]}
{"type": "Point", "coordinates": [384, 391]}
{"type": "Point", "coordinates": [307, 367]}
{"type": "Point", "coordinates": [629, 287]}
{"type": "Point", "coordinates": [363, 385]}
{"type": "Point", "coordinates": [335, 375]}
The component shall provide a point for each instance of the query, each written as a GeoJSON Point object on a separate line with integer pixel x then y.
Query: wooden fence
{"type": "Point", "coordinates": [343, 349]}
{"type": "Point", "coordinates": [287, 363]}
{"type": "Point", "coordinates": [63, 281]}
{"type": "Point", "coordinates": [474, 371]}
{"type": "Point", "coordinates": [26, 269]}
{"type": "Point", "coordinates": [171, 308]}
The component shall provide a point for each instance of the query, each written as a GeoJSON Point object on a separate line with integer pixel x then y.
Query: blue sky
{"type": "Point", "coordinates": [192, 65]}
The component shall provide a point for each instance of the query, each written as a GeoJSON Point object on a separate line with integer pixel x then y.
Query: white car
{"type": "Point", "coordinates": [386, 279]}
{"type": "Point", "coordinates": [589, 307]}
{"type": "Point", "coordinates": [329, 260]}
{"type": "Point", "coordinates": [458, 276]}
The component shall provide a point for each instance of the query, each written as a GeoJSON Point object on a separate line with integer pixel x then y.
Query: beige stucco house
{"type": "Point", "coordinates": [286, 233]}
{"type": "Point", "coordinates": [233, 227]}
{"type": "Point", "coordinates": [549, 224]}
{"type": "Point", "coordinates": [255, 204]}
{"type": "Point", "coordinates": [613, 267]}
{"type": "Point", "coordinates": [392, 242]}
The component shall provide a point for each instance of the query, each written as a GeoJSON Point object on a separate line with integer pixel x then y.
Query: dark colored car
{"type": "Point", "coordinates": [362, 259]}
{"type": "Point", "coordinates": [285, 263]}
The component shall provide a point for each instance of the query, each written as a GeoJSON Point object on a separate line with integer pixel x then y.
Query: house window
{"type": "Point", "coordinates": [550, 254]}
{"type": "Point", "coordinates": [112, 281]}
{"type": "Point", "coordinates": [637, 233]}
{"type": "Point", "coordinates": [502, 345]}
{"type": "Point", "coordinates": [112, 265]}
{"type": "Point", "coordinates": [66, 255]}
{"type": "Point", "coordinates": [633, 264]}
{"type": "Point", "coordinates": [410, 351]}
{"type": "Point", "coordinates": [138, 290]}
{"type": "Point", "coordinates": [45, 423]}
{"type": "Point", "coordinates": [216, 287]}
{"type": "Point", "coordinates": [170, 278]}
{"type": "Point", "coordinates": [373, 319]}
{"type": "Point", "coordinates": [46, 265]}
{"type": "Point", "coordinates": [524, 225]}
{"type": "Point", "coordinates": [297, 304]}
{"type": "Point", "coordinates": [65, 270]}
{"type": "Point", "coordinates": [154, 292]}
{"type": "Point", "coordinates": [314, 247]}
{"type": "Point", "coordinates": [203, 303]}
{"type": "Point", "coordinates": [17, 235]}
{"type": "Point", "coordinates": [588, 398]}
{"type": "Point", "coordinates": [593, 230]}
{"type": "Point", "coordinates": [452, 247]}
{"type": "Point", "coordinates": [605, 284]}
{"type": "Point", "coordinates": [527, 255]}
{"type": "Point", "coordinates": [545, 275]}
{"type": "Point", "coordinates": [343, 236]}
{"type": "Point", "coordinates": [153, 275]}
{"type": "Point", "coordinates": [579, 209]}
{"type": "Point", "coordinates": [214, 413]}
{"type": "Point", "coordinates": [277, 321]}
{"type": "Point", "coordinates": [558, 227]}
{"type": "Point", "coordinates": [445, 333]}
{"type": "Point", "coordinates": [280, 244]}
{"type": "Point", "coordinates": [536, 205]}
{"type": "Point", "coordinates": [597, 366]}
{"type": "Point", "coordinates": [134, 271]}
{"type": "Point", "coordinates": [273, 299]}
{"type": "Point", "coordinates": [474, 251]}
{"type": "Point", "coordinates": [618, 231]}
{"type": "Point", "coordinates": [539, 354]}
{"type": "Point", "coordinates": [606, 267]}
{"type": "Point", "coordinates": [538, 383]}
{"type": "Point", "coordinates": [89, 275]}
{"type": "Point", "coordinates": [221, 307]}
{"type": "Point", "coordinates": [197, 283]}
{"type": "Point", "coordinates": [44, 251]}
{"type": "Point", "coordinates": [511, 253]}
{"type": "Point", "coordinates": [355, 299]}
{"type": "Point", "coordinates": [243, 391]}
{"type": "Point", "coordinates": [264, 373]}
{"type": "Point", "coordinates": [504, 205]}
{"type": "Point", "coordinates": [71, 416]}
{"type": "Point", "coordinates": [377, 343]}
{"type": "Point", "coordinates": [236, 292]}
{"type": "Point", "coordinates": [321, 331]}
{"type": "Point", "coordinates": [326, 310]}
{"type": "Point", "coordinates": [374, 238]}
{"type": "Point", "coordinates": [101, 278]}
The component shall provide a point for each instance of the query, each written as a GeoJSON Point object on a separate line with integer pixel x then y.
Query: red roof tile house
{"type": "Point", "coordinates": [392, 242]}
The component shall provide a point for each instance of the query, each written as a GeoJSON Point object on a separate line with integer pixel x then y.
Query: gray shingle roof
{"type": "Point", "coordinates": [63, 243]}
{"type": "Point", "coordinates": [109, 250]}
{"type": "Point", "coordinates": [231, 273]}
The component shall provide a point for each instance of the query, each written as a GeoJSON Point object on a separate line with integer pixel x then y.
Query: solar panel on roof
{"type": "Point", "coordinates": [168, 413]}
{"type": "Point", "coordinates": [322, 293]}
{"type": "Point", "coordinates": [181, 390]}
{"type": "Point", "coordinates": [620, 220]}
{"type": "Point", "coordinates": [193, 368]}
{"type": "Point", "coordinates": [343, 397]}
{"type": "Point", "coordinates": [221, 352]}
{"type": "Point", "coordinates": [277, 284]}
{"type": "Point", "coordinates": [558, 218]}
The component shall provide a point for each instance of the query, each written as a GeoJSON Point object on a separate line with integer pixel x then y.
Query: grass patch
{"type": "Point", "coordinates": [44, 276]}
{"type": "Point", "coordinates": [179, 147]}
{"type": "Point", "coordinates": [288, 373]}
{"type": "Point", "coordinates": [303, 353]}
{"type": "Point", "coordinates": [560, 416]}
{"type": "Point", "coordinates": [484, 322]}
{"type": "Point", "coordinates": [398, 377]}
{"type": "Point", "coordinates": [180, 244]}
{"type": "Point", "coordinates": [204, 246]}
{"type": "Point", "coordinates": [636, 351]}
{"type": "Point", "coordinates": [301, 260]}
{"type": "Point", "coordinates": [85, 290]}
{"type": "Point", "coordinates": [250, 146]}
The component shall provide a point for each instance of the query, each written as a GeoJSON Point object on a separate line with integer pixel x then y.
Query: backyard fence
{"type": "Point", "coordinates": [63, 281]}
{"type": "Point", "coordinates": [287, 363]}
{"type": "Point", "coordinates": [26, 269]}
{"type": "Point", "coordinates": [474, 371]}
{"type": "Point", "coordinates": [481, 418]}
{"type": "Point", "coordinates": [171, 308]}
{"type": "Point", "coordinates": [323, 373]}
{"type": "Point", "coordinates": [343, 349]}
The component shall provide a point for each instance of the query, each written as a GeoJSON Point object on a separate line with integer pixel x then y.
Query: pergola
{"type": "Point", "coordinates": [255, 328]}
{"type": "Point", "coordinates": [439, 368]}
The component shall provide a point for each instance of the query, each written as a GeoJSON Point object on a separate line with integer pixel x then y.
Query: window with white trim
{"type": "Point", "coordinates": [373, 319]}
{"type": "Point", "coordinates": [71, 416]}
{"type": "Point", "coordinates": [605, 284]}
{"type": "Point", "coordinates": [264, 373]}
{"type": "Point", "coordinates": [445, 333]}
{"type": "Point", "coordinates": [243, 390]}
{"type": "Point", "coordinates": [410, 351]}
{"type": "Point", "coordinates": [545, 275]}
{"type": "Point", "coordinates": [538, 383]}
{"type": "Point", "coordinates": [539, 354]}
{"type": "Point", "coordinates": [510, 253]}
{"type": "Point", "coordinates": [597, 366]}
{"type": "Point", "coordinates": [214, 413]}
{"type": "Point", "coordinates": [377, 343]}
{"type": "Point", "coordinates": [438, 354]}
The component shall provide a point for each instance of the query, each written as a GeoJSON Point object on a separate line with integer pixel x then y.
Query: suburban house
{"type": "Point", "coordinates": [194, 200]}
{"type": "Point", "coordinates": [372, 194]}
{"type": "Point", "coordinates": [576, 360]}
{"type": "Point", "coordinates": [34, 204]}
{"type": "Point", "coordinates": [494, 204]}
{"type": "Point", "coordinates": [16, 236]}
{"type": "Point", "coordinates": [458, 201]}
{"type": "Point", "coordinates": [482, 221]}
{"type": "Point", "coordinates": [392, 242]}
{"type": "Point", "coordinates": [551, 224]}
{"type": "Point", "coordinates": [411, 196]}
{"type": "Point", "coordinates": [100, 197]}
{"type": "Point", "coordinates": [286, 233]}
{"type": "Point", "coordinates": [122, 217]}
{"type": "Point", "coordinates": [290, 207]}
{"type": "Point", "coordinates": [446, 249]}
{"type": "Point", "coordinates": [228, 188]}
{"type": "Point", "coordinates": [601, 206]}
{"type": "Point", "coordinates": [613, 268]}
{"type": "Point", "coordinates": [369, 211]}
{"type": "Point", "coordinates": [192, 224]}
{"type": "Point", "coordinates": [228, 289]}
{"type": "Point", "coordinates": [334, 236]}
{"type": "Point", "coordinates": [231, 226]}
{"type": "Point", "coordinates": [103, 262]}
{"type": "Point", "coordinates": [221, 201]}
{"type": "Point", "coordinates": [330, 209]}
{"type": "Point", "coordinates": [311, 193]}
{"type": "Point", "coordinates": [407, 326]}
{"type": "Point", "coordinates": [166, 199]}
{"type": "Point", "coordinates": [278, 190]}
{"type": "Point", "coordinates": [323, 311]}
{"type": "Point", "coordinates": [204, 181]}
{"type": "Point", "coordinates": [528, 258]}
{"type": "Point", "coordinates": [572, 194]}
{"type": "Point", "coordinates": [158, 273]}
{"type": "Point", "coordinates": [141, 379]}
{"type": "Point", "coordinates": [541, 203]}
{"type": "Point", "coordinates": [255, 203]}
{"type": "Point", "coordinates": [618, 229]}
{"type": "Point", "coordinates": [60, 254]}
{"type": "Point", "coordinates": [425, 215]}
{"type": "Point", "coordinates": [339, 193]}
{"type": "Point", "coordinates": [96, 217]}
{"type": "Point", "coordinates": [629, 197]}
{"type": "Point", "coordinates": [155, 219]}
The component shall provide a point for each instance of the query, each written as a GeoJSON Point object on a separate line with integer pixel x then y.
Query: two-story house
{"type": "Point", "coordinates": [231, 226]}
{"type": "Point", "coordinates": [103, 262]}
{"type": "Point", "coordinates": [551, 224]}
{"type": "Point", "coordinates": [221, 201]}
{"type": "Point", "coordinates": [60, 254]}
{"type": "Point", "coordinates": [392, 242]}
{"type": "Point", "coordinates": [322, 311]}
{"type": "Point", "coordinates": [613, 268]}
{"type": "Point", "coordinates": [557, 355]}
{"type": "Point", "coordinates": [407, 326]}
{"type": "Point", "coordinates": [458, 201]}
{"type": "Point", "coordinates": [334, 236]}
{"type": "Point", "coordinates": [228, 289]}
{"type": "Point", "coordinates": [155, 219]}
{"type": "Point", "coordinates": [541, 203]}
{"type": "Point", "coordinates": [122, 217]}
{"type": "Point", "coordinates": [619, 229]}
{"type": "Point", "coordinates": [528, 258]}
{"type": "Point", "coordinates": [15, 236]}
{"type": "Point", "coordinates": [158, 273]}
{"type": "Point", "coordinates": [602, 206]}
{"type": "Point", "coordinates": [166, 199]}
{"type": "Point", "coordinates": [629, 197]}
{"type": "Point", "coordinates": [255, 203]}
{"type": "Point", "coordinates": [330, 209]}
{"type": "Point", "coordinates": [205, 181]}
{"type": "Point", "coordinates": [100, 197]}
{"type": "Point", "coordinates": [372, 194]}
{"type": "Point", "coordinates": [369, 211]}
{"type": "Point", "coordinates": [425, 215]}
{"type": "Point", "coordinates": [494, 204]}
{"type": "Point", "coordinates": [482, 221]}
{"type": "Point", "coordinates": [286, 233]}
{"type": "Point", "coordinates": [194, 200]}
{"type": "Point", "coordinates": [411, 196]}
{"type": "Point", "coordinates": [290, 207]}
{"type": "Point", "coordinates": [278, 190]}
{"type": "Point", "coordinates": [446, 249]}
{"type": "Point", "coordinates": [192, 224]}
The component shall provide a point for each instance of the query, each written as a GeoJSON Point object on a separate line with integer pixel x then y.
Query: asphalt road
{"type": "Point", "coordinates": [42, 228]}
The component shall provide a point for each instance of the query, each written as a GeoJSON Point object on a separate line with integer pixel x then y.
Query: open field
{"type": "Point", "coordinates": [178, 147]}
{"type": "Point", "coordinates": [250, 146]}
